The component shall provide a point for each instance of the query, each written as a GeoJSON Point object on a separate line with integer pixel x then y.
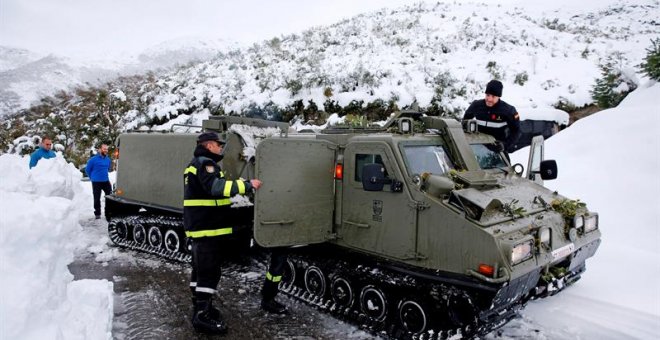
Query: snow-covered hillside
{"type": "Point", "coordinates": [11, 58]}
{"type": "Point", "coordinates": [28, 82]}
{"type": "Point", "coordinates": [435, 54]}
{"type": "Point", "coordinates": [26, 77]}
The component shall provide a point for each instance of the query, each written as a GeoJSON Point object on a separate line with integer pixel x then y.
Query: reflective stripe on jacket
{"type": "Point", "coordinates": [206, 200]}
{"type": "Point", "coordinates": [500, 121]}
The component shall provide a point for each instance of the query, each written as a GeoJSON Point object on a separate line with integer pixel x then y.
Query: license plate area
{"type": "Point", "coordinates": [563, 251]}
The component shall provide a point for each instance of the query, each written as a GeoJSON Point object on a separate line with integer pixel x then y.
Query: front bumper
{"type": "Point", "coordinates": [542, 281]}
{"type": "Point", "coordinates": [554, 279]}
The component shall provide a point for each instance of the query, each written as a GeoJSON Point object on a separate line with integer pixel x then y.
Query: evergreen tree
{"type": "Point", "coordinates": [651, 64]}
{"type": "Point", "coordinates": [614, 85]}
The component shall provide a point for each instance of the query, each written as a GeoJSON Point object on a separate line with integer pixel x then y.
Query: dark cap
{"type": "Point", "coordinates": [494, 88]}
{"type": "Point", "coordinates": [209, 136]}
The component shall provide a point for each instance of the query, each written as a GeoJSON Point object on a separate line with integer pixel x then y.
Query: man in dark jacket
{"type": "Point", "coordinates": [97, 169]}
{"type": "Point", "coordinates": [44, 151]}
{"type": "Point", "coordinates": [207, 218]}
{"type": "Point", "coordinates": [495, 117]}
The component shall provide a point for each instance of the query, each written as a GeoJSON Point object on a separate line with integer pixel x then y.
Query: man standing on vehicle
{"type": "Point", "coordinates": [207, 218]}
{"type": "Point", "coordinates": [44, 151]}
{"type": "Point", "coordinates": [97, 169]}
{"type": "Point", "coordinates": [495, 117]}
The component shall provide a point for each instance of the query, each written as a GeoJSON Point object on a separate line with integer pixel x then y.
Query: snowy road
{"type": "Point", "coordinates": [152, 300]}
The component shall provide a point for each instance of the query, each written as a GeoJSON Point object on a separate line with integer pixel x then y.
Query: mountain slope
{"type": "Point", "coordinates": [26, 77]}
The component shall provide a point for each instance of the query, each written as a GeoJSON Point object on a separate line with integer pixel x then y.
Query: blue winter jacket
{"type": "Point", "coordinates": [97, 168]}
{"type": "Point", "coordinates": [39, 154]}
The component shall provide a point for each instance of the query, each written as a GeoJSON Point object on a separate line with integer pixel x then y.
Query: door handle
{"type": "Point", "coordinates": [283, 222]}
{"type": "Point", "coordinates": [359, 225]}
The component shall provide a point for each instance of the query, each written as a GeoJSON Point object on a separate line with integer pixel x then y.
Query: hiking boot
{"type": "Point", "coordinates": [204, 322]}
{"type": "Point", "coordinates": [272, 306]}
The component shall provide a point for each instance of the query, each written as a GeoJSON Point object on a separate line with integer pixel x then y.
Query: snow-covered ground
{"type": "Point", "coordinates": [610, 160]}
{"type": "Point", "coordinates": [40, 214]}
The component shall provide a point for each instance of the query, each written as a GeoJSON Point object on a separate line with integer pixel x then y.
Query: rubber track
{"type": "Point", "coordinates": [383, 328]}
{"type": "Point", "coordinates": [148, 221]}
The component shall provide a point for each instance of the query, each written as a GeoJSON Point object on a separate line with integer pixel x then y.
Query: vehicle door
{"type": "Point", "coordinates": [295, 204]}
{"type": "Point", "coordinates": [381, 222]}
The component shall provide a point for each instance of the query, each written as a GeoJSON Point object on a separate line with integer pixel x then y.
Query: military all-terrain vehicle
{"type": "Point", "coordinates": [421, 226]}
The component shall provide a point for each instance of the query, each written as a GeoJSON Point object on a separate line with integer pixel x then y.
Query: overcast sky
{"type": "Point", "coordinates": [99, 27]}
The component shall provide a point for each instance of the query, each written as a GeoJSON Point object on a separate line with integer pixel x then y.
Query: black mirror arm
{"type": "Point", "coordinates": [395, 185]}
{"type": "Point", "coordinates": [375, 180]}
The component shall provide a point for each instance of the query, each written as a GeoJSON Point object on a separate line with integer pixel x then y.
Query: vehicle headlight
{"type": "Point", "coordinates": [578, 221]}
{"type": "Point", "coordinates": [590, 222]}
{"type": "Point", "coordinates": [544, 236]}
{"type": "Point", "coordinates": [521, 252]}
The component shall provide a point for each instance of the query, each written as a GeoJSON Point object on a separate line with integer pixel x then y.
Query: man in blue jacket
{"type": "Point", "coordinates": [44, 151]}
{"type": "Point", "coordinates": [97, 169]}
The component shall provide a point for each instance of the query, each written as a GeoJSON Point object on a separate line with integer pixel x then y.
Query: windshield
{"type": "Point", "coordinates": [427, 158]}
{"type": "Point", "coordinates": [488, 156]}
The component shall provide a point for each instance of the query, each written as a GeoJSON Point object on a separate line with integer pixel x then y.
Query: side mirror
{"type": "Point", "coordinates": [373, 177]}
{"type": "Point", "coordinates": [548, 169]}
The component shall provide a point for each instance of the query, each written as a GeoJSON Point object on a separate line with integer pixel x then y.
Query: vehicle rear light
{"type": "Point", "coordinates": [339, 171]}
{"type": "Point", "coordinates": [486, 270]}
{"type": "Point", "coordinates": [119, 192]}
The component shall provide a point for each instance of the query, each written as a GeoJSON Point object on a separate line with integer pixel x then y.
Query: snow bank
{"type": "Point", "coordinates": [548, 114]}
{"type": "Point", "coordinates": [610, 160]}
{"type": "Point", "coordinates": [38, 230]}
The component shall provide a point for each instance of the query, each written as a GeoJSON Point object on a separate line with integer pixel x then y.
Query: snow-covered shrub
{"type": "Point", "coordinates": [564, 105]}
{"type": "Point", "coordinates": [521, 78]}
{"type": "Point", "coordinates": [651, 64]}
{"type": "Point", "coordinates": [331, 106]}
{"type": "Point", "coordinates": [494, 70]}
{"type": "Point", "coordinates": [293, 85]}
{"type": "Point", "coordinates": [614, 84]}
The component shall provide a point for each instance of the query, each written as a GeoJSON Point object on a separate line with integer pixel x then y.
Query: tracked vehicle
{"type": "Point", "coordinates": [418, 228]}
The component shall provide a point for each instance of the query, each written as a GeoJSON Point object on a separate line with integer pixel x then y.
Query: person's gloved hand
{"type": "Point", "coordinates": [499, 146]}
{"type": "Point", "coordinates": [256, 184]}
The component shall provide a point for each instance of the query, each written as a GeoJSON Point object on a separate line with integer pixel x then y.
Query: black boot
{"type": "Point", "coordinates": [203, 320]}
{"type": "Point", "coordinates": [214, 312]}
{"type": "Point", "coordinates": [272, 306]}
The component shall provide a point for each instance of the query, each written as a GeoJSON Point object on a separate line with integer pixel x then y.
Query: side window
{"type": "Point", "coordinates": [362, 159]}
